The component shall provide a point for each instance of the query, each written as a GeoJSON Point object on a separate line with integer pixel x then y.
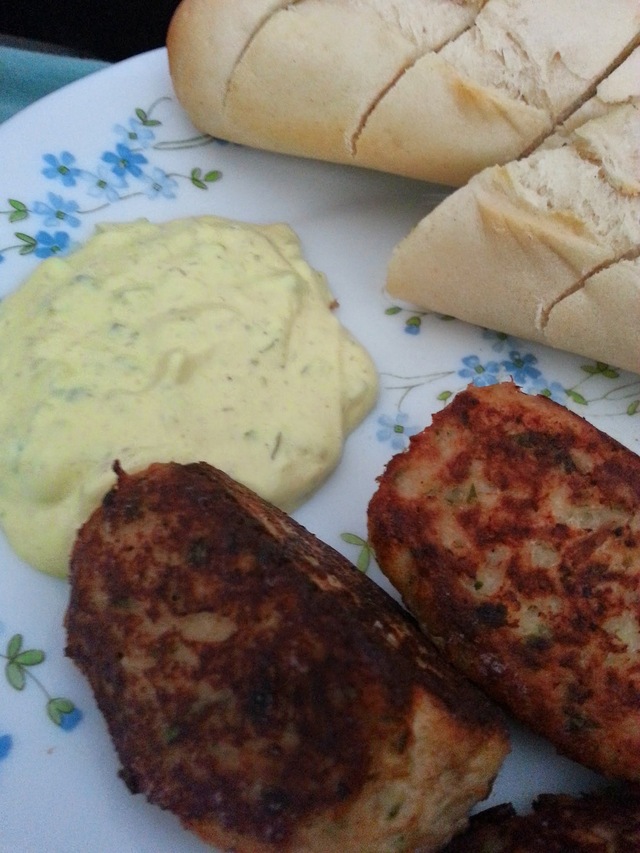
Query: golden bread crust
{"type": "Point", "coordinates": [430, 89]}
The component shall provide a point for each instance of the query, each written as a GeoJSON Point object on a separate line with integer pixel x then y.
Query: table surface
{"type": "Point", "coordinates": [31, 70]}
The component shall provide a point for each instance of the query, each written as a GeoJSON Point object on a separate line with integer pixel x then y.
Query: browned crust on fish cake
{"type": "Point", "coordinates": [259, 686]}
{"type": "Point", "coordinates": [598, 822]}
{"type": "Point", "coordinates": [511, 527]}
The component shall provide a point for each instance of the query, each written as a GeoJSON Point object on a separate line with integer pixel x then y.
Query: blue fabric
{"type": "Point", "coordinates": [26, 76]}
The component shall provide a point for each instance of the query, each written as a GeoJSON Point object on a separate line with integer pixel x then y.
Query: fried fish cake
{"type": "Point", "coordinates": [599, 822]}
{"type": "Point", "coordinates": [259, 686]}
{"type": "Point", "coordinates": [511, 528]}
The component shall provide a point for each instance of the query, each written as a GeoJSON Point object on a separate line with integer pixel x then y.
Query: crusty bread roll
{"type": "Point", "coordinates": [494, 92]}
{"type": "Point", "coordinates": [299, 77]}
{"type": "Point", "coordinates": [547, 247]}
{"type": "Point", "coordinates": [432, 89]}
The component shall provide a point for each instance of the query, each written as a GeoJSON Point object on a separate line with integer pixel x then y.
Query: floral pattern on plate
{"type": "Point", "coordinates": [18, 670]}
{"type": "Point", "coordinates": [124, 170]}
{"type": "Point", "coordinates": [599, 385]}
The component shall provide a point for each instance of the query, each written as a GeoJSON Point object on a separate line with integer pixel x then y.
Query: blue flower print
{"type": "Point", "coordinates": [51, 244]}
{"type": "Point", "coordinates": [554, 390]}
{"type": "Point", "coordinates": [19, 663]}
{"type": "Point", "coordinates": [135, 134]}
{"type": "Point", "coordinates": [58, 210]}
{"type": "Point", "coordinates": [69, 720]}
{"type": "Point", "coordinates": [395, 430]}
{"type": "Point", "coordinates": [412, 325]}
{"type": "Point", "coordinates": [124, 170]}
{"type": "Point", "coordinates": [500, 340]}
{"type": "Point", "coordinates": [124, 161]}
{"type": "Point", "coordinates": [104, 184]}
{"type": "Point", "coordinates": [479, 374]}
{"type": "Point", "coordinates": [158, 183]}
{"type": "Point", "coordinates": [521, 368]}
{"type": "Point", "coordinates": [61, 168]}
{"type": "Point", "coordinates": [6, 742]}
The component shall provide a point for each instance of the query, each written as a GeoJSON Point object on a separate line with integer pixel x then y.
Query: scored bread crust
{"type": "Point", "coordinates": [407, 132]}
{"type": "Point", "coordinates": [542, 248]}
{"type": "Point", "coordinates": [622, 86]}
{"type": "Point", "coordinates": [373, 84]}
{"type": "Point", "coordinates": [211, 28]}
{"type": "Point", "coordinates": [304, 82]}
{"type": "Point", "coordinates": [299, 81]}
{"type": "Point", "coordinates": [602, 316]}
{"type": "Point", "coordinates": [494, 92]}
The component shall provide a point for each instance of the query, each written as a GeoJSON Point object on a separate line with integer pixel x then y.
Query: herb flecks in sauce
{"type": "Point", "coordinates": [196, 339]}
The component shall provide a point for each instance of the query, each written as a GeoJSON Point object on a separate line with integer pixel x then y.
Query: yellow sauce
{"type": "Point", "coordinates": [197, 339]}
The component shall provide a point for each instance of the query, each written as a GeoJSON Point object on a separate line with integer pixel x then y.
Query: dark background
{"type": "Point", "coordinates": [101, 29]}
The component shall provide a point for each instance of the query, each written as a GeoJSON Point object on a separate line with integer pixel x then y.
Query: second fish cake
{"type": "Point", "coordinates": [511, 528]}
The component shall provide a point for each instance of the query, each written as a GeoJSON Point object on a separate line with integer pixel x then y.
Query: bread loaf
{"type": "Point", "coordinates": [547, 247]}
{"type": "Point", "coordinates": [432, 89]}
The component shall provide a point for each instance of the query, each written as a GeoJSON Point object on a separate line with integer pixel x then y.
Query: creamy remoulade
{"type": "Point", "coordinates": [196, 339]}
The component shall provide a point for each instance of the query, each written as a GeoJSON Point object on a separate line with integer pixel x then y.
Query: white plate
{"type": "Point", "coordinates": [59, 788]}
